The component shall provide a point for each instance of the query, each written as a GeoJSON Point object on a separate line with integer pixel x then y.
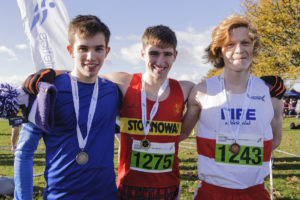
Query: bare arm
{"type": "Point", "coordinates": [59, 72]}
{"type": "Point", "coordinates": [276, 122]}
{"type": "Point", "coordinates": [186, 87]}
{"type": "Point", "coordinates": [192, 114]}
{"type": "Point", "coordinates": [122, 80]}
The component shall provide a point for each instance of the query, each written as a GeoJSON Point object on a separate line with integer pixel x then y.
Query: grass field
{"type": "Point", "coordinates": [286, 170]}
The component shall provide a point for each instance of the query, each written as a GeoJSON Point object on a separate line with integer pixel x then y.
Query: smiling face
{"type": "Point", "coordinates": [158, 60]}
{"type": "Point", "coordinates": [238, 52]}
{"type": "Point", "coordinates": [89, 55]}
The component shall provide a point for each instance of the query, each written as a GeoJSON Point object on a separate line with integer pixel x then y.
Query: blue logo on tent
{"type": "Point", "coordinates": [44, 13]}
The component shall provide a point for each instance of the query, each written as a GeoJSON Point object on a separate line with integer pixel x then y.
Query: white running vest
{"type": "Point", "coordinates": [212, 121]}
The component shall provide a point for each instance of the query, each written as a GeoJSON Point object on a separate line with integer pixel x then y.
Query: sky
{"type": "Point", "coordinates": [192, 21]}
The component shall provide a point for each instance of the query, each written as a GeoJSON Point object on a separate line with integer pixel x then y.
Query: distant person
{"type": "Point", "coordinates": [14, 136]}
{"type": "Point", "coordinates": [239, 123]}
{"type": "Point", "coordinates": [294, 126]}
{"type": "Point", "coordinates": [286, 107]}
{"type": "Point", "coordinates": [80, 147]}
{"type": "Point", "coordinates": [297, 109]}
{"type": "Point", "coordinates": [292, 106]}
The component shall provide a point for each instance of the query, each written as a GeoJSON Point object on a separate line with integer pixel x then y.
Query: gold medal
{"type": "Point", "coordinates": [235, 148]}
{"type": "Point", "coordinates": [145, 144]}
{"type": "Point", "coordinates": [82, 158]}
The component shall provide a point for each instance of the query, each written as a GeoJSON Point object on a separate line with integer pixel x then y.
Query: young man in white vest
{"type": "Point", "coordinates": [239, 123]}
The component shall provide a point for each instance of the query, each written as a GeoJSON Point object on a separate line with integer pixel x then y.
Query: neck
{"type": "Point", "coordinates": [154, 82]}
{"type": "Point", "coordinates": [152, 87]}
{"type": "Point", "coordinates": [83, 79]}
{"type": "Point", "coordinates": [236, 82]}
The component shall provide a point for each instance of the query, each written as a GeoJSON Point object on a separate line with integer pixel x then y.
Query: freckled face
{"type": "Point", "coordinates": [238, 53]}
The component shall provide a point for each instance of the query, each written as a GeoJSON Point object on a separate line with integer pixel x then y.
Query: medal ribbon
{"type": "Point", "coordinates": [81, 141]}
{"type": "Point", "coordinates": [235, 133]}
{"type": "Point", "coordinates": [155, 106]}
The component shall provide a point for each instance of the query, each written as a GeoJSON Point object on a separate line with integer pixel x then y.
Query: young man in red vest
{"type": "Point", "coordinates": [150, 120]}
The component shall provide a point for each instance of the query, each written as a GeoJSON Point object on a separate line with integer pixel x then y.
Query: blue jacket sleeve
{"type": "Point", "coordinates": [23, 164]}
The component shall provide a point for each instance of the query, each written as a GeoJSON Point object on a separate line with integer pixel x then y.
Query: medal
{"type": "Point", "coordinates": [82, 158]}
{"type": "Point", "coordinates": [145, 144]}
{"type": "Point", "coordinates": [235, 148]}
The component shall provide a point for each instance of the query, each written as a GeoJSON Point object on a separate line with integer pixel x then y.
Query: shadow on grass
{"type": "Point", "coordinates": [285, 175]}
{"type": "Point", "coordinates": [39, 156]}
{"type": "Point", "coordinates": [8, 134]}
{"type": "Point", "coordinates": [286, 163]}
{"type": "Point", "coordinates": [188, 160]}
{"type": "Point", "coordinates": [189, 177]}
{"type": "Point", "coordinates": [6, 197]}
{"type": "Point", "coordinates": [8, 159]}
{"type": "Point", "coordinates": [287, 159]}
{"type": "Point", "coordinates": [38, 192]}
{"type": "Point", "coordinates": [37, 159]}
{"type": "Point", "coordinates": [286, 166]}
{"type": "Point", "coordinates": [184, 167]}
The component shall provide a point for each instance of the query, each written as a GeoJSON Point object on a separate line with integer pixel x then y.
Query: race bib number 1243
{"type": "Point", "coordinates": [250, 154]}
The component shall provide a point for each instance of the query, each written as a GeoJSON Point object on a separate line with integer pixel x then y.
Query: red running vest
{"type": "Point", "coordinates": [165, 128]}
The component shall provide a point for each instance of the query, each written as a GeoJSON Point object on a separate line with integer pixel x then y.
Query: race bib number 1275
{"type": "Point", "coordinates": [158, 158]}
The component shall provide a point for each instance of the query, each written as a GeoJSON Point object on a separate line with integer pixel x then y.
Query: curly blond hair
{"type": "Point", "coordinates": [221, 37]}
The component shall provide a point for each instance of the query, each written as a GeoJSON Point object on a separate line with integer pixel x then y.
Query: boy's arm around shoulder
{"type": "Point", "coordinates": [192, 113]}
{"type": "Point", "coordinates": [186, 87]}
{"type": "Point", "coordinates": [121, 79]}
{"type": "Point", "coordinates": [277, 104]}
{"type": "Point", "coordinates": [276, 122]}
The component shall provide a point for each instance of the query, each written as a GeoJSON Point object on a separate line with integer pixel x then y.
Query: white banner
{"type": "Point", "coordinates": [46, 26]}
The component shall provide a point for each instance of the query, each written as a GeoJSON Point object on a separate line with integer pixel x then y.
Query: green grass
{"type": "Point", "coordinates": [286, 171]}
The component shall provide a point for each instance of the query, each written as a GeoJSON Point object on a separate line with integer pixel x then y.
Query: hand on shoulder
{"type": "Point", "coordinates": [276, 86]}
{"type": "Point", "coordinates": [30, 85]}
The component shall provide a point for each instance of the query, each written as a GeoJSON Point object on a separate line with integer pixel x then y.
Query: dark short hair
{"type": "Point", "coordinates": [87, 26]}
{"type": "Point", "coordinates": [159, 35]}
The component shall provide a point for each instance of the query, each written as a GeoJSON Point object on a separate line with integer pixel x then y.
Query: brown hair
{"type": "Point", "coordinates": [159, 35]}
{"type": "Point", "coordinates": [221, 36]}
{"type": "Point", "coordinates": [87, 26]}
